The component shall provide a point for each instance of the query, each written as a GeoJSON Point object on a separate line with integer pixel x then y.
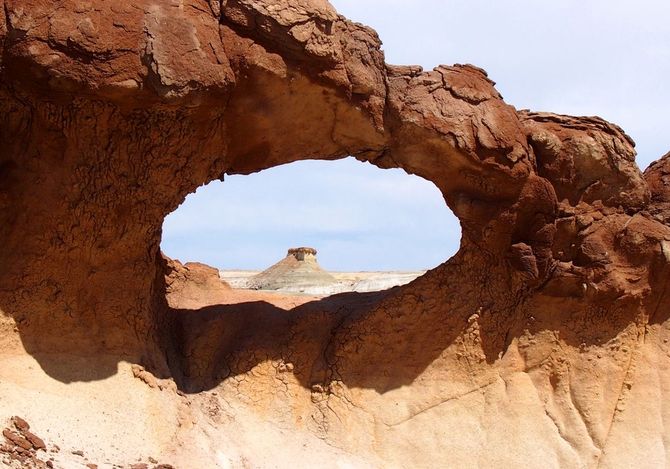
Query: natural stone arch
{"type": "Point", "coordinates": [131, 143]}
{"type": "Point", "coordinates": [112, 113]}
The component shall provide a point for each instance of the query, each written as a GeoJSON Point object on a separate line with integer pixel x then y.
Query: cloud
{"type": "Point", "coordinates": [313, 195]}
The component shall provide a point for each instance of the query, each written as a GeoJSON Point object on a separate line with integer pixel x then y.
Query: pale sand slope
{"type": "Point", "coordinates": [132, 417]}
{"type": "Point", "coordinates": [121, 420]}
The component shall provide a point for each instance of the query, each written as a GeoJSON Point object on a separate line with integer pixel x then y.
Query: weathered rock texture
{"type": "Point", "coordinates": [543, 342]}
{"type": "Point", "coordinates": [187, 285]}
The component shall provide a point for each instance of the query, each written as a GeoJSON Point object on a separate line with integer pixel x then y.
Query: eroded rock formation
{"type": "Point", "coordinates": [543, 342]}
{"type": "Point", "coordinates": [299, 270]}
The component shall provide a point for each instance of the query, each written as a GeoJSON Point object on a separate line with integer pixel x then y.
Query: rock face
{"type": "Point", "coordinates": [543, 342]}
{"type": "Point", "coordinates": [298, 271]}
{"type": "Point", "coordinates": [188, 285]}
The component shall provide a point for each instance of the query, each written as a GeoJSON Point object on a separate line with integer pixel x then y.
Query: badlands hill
{"type": "Point", "coordinates": [299, 270]}
{"type": "Point", "coordinates": [300, 273]}
{"type": "Point", "coordinates": [544, 342]}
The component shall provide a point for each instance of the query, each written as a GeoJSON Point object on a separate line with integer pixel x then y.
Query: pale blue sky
{"type": "Point", "coordinates": [584, 57]}
{"type": "Point", "coordinates": [356, 215]}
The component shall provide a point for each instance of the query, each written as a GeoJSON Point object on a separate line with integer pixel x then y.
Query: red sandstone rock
{"type": "Point", "coordinates": [139, 466]}
{"type": "Point", "coordinates": [586, 159]}
{"type": "Point", "coordinates": [17, 439]}
{"type": "Point", "coordinates": [657, 176]}
{"type": "Point", "coordinates": [20, 424]}
{"type": "Point", "coordinates": [35, 441]}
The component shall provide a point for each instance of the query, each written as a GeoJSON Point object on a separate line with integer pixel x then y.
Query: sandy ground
{"type": "Point", "coordinates": [131, 418]}
{"type": "Point", "coordinates": [118, 419]}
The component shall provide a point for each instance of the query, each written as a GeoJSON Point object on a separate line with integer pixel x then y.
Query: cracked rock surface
{"type": "Point", "coordinates": [543, 342]}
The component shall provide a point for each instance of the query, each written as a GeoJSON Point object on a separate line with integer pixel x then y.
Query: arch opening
{"type": "Point", "coordinates": [372, 229]}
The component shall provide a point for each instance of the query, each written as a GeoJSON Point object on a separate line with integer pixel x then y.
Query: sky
{"type": "Point", "coordinates": [609, 58]}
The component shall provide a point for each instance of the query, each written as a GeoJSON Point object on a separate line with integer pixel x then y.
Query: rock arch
{"type": "Point", "coordinates": [113, 113]}
{"type": "Point", "coordinates": [115, 117]}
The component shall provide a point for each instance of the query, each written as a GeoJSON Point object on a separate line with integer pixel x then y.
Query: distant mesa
{"type": "Point", "coordinates": [298, 271]}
